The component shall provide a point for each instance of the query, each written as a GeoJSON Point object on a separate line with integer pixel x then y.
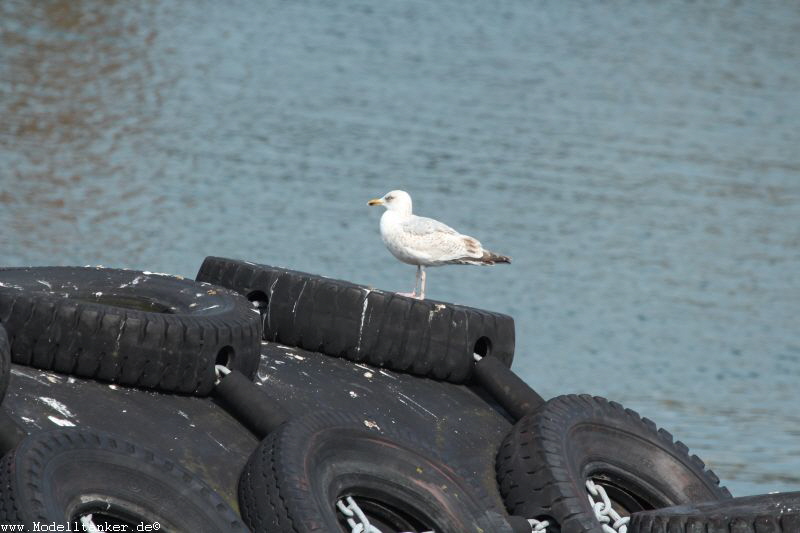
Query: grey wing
{"type": "Point", "coordinates": [437, 241]}
{"type": "Point", "coordinates": [421, 226]}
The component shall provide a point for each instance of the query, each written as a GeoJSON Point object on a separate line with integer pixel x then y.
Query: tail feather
{"type": "Point", "coordinates": [490, 258]}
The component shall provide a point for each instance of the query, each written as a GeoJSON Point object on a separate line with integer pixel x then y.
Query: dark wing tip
{"type": "Point", "coordinates": [491, 258]}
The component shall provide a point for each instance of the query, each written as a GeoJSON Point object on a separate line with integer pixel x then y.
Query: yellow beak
{"type": "Point", "coordinates": [375, 201]}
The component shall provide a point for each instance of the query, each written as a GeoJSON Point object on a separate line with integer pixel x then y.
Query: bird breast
{"type": "Point", "coordinates": [396, 240]}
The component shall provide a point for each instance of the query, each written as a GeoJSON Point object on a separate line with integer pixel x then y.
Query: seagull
{"type": "Point", "coordinates": [426, 242]}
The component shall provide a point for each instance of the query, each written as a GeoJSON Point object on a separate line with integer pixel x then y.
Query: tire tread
{"type": "Point", "coordinates": [23, 473]}
{"type": "Point", "coordinates": [129, 347]}
{"type": "Point", "coordinates": [537, 480]}
{"type": "Point", "coordinates": [383, 329]}
{"type": "Point", "coordinates": [763, 513]}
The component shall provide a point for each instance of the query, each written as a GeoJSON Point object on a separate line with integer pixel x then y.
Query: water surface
{"type": "Point", "coordinates": [639, 161]}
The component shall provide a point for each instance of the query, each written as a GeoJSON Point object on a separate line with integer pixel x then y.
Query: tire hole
{"type": "Point", "coordinates": [106, 522]}
{"type": "Point", "coordinates": [389, 517]}
{"type": "Point", "coordinates": [483, 347]}
{"type": "Point", "coordinates": [113, 515]}
{"type": "Point", "coordinates": [259, 299]}
{"type": "Point", "coordinates": [554, 525]}
{"type": "Point", "coordinates": [225, 356]}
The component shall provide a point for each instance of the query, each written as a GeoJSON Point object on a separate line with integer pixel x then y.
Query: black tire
{"type": "Point", "coordinates": [11, 433]}
{"type": "Point", "coordinates": [293, 480]}
{"type": "Point", "coordinates": [5, 363]}
{"type": "Point", "coordinates": [342, 319]}
{"type": "Point", "coordinates": [765, 513]}
{"type": "Point", "coordinates": [545, 460]}
{"type": "Point", "coordinates": [128, 327]}
{"type": "Point", "coordinates": [56, 477]}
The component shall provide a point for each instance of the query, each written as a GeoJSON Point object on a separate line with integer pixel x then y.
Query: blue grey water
{"type": "Point", "coordinates": [639, 160]}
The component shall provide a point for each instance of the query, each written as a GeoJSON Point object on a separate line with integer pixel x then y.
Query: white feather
{"type": "Point", "coordinates": [423, 241]}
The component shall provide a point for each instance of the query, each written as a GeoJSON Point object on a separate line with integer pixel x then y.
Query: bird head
{"type": "Point", "coordinates": [394, 201]}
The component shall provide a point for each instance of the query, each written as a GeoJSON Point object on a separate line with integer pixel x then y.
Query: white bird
{"type": "Point", "coordinates": [426, 242]}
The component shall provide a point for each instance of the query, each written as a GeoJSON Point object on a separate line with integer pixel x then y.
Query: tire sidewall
{"type": "Point", "coordinates": [349, 462]}
{"type": "Point", "coordinates": [611, 446]}
{"type": "Point", "coordinates": [545, 460]}
{"type": "Point", "coordinates": [55, 475]}
{"type": "Point", "coordinates": [166, 333]}
{"type": "Point", "coordinates": [319, 459]}
{"type": "Point", "coordinates": [89, 286]}
{"type": "Point", "coordinates": [362, 324]}
{"type": "Point", "coordinates": [775, 513]}
{"type": "Point", "coordinates": [5, 363]}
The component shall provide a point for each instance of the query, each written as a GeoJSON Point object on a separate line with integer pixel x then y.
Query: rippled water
{"type": "Point", "coordinates": [639, 161]}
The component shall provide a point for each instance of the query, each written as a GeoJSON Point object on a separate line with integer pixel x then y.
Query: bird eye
{"type": "Point", "coordinates": [389, 198]}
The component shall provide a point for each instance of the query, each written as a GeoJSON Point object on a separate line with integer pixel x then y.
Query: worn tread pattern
{"type": "Point", "coordinates": [764, 513]}
{"type": "Point", "coordinates": [342, 319]}
{"type": "Point", "coordinates": [27, 485]}
{"type": "Point", "coordinates": [64, 319]}
{"type": "Point", "coordinates": [277, 496]}
{"type": "Point", "coordinates": [9, 505]}
{"type": "Point", "coordinates": [5, 363]}
{"type": "Point", "coordinates": [539, 475]}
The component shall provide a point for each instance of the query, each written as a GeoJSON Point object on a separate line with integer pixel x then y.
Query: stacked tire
{"type": "Point", "coordinates": [133, 328]}
{"type": "Point", "coordinates": [572, 464]}
{"type": "Point", "coordinates": [397, 481]}
{"type": "Point", "coordinates": [763, 513]}
{"type": "Point", "coordinates": [296, 472]}
{"type": "Point", "coordinates": [5, 363]}
{"type": "Point", "coordinates": [74, 477]}
{"type": "Point", "coordinates": [177, 336]}
{"type": "Point", "coordinates": [545, 461]}
{"type": "Point", "coordinates": [365, 325]}
{"type": "Point", "coordinates": [129, 328]}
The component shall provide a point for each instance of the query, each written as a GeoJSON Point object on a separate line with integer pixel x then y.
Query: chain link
{"type": "Point", "coordinates": [220, 371]}
{"type": "Point", "coordinates": [603, 510]}
{"type": "Point", "coordinates": [88, 524]}
{"type": "Point", "coordinates": [353, 511]}
{"type": "Point", "coordinates": [538, 526]}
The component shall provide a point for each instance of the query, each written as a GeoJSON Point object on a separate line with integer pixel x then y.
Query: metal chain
{"type": "Point", "coordinates": [603, 510]}
{"type": "Point", "coordinates": [88, 524]}
{"type": "Point", "coordinates": [538, 526]}
{"type": "Point", "coordinates": [353, 511]}
{"type": "Point", "coordinates": [221, 371]}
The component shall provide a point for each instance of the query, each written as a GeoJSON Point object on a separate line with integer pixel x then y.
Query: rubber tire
{"type": "Point", "coordinates": [11, 433]}
{"type": "Point", "coordinates": [765, 513]}
{"type": "Point", "coordinates": [545, 460]}
{"type": "Point", "coordinates": [128, 327]}
{"type": "Point", "coordinates": [5, 363]}
{"type": "Point", "coordinates": [50, 475]}
{"type": "Point", "coordinates": [294, 478]}
{"type": "Point", "coordinates": [342, 319]}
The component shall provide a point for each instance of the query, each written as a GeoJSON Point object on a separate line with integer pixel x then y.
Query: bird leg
{"type": "Point", "coordinates": [412, 294]}
{"type": "Point", "coordinates": [422, 286]}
